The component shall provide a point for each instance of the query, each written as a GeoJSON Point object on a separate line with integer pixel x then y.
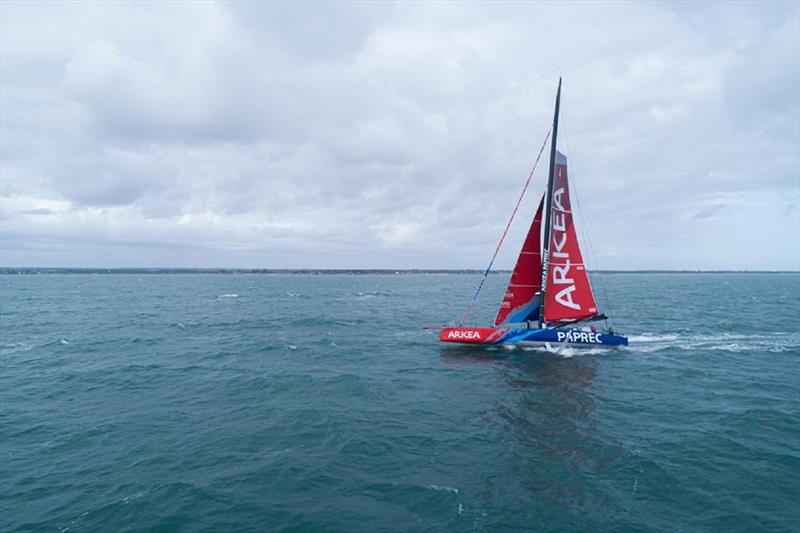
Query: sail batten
{"type": "Point", "coordinates": [569, 294]}
{"type": "Point", "coordinates": [518, 302]}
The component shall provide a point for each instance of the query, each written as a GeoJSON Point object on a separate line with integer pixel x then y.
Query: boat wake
{"type": "Point", "coordinates": [569, 351]}
{"type": "Point", "coordinates": [729, 342]}
{"type": "Point", "coordinates": [560, 350]}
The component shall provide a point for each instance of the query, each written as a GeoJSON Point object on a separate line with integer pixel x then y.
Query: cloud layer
{"type": "Point", "coordinates": [351, 135]}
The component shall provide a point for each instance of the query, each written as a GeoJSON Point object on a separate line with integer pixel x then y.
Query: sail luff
{"type": "Point", "coordinates": [549, 202]}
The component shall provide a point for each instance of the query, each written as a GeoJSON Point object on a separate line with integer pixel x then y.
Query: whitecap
{"type": "Point", "coordinates": [14, 347]}
{"type": "Point", "coordinates": [652, 338]}
{"type": "Point", "coordinates": [567, 350]}
{"type": "Point", "coordinates": [127, 499]}
{"type": "Point", "coordinates": [444, 488]}
{"type": "Point", "coordinates": [365, 295]}
{"type": "Point", "coordinates": [231, 295]}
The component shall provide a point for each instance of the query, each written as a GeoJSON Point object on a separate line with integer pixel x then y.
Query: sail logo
{"type": "Point", "coordinates": [561, 272]}
{"type": "Point", "coordinates": [578, 336]}
{"type": "Point", "coordinates": [467, 334]}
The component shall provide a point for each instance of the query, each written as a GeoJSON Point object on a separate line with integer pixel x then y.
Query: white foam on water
{"type": "Point", "coordinates": [729, 342]}
{"type": "Point", "coordinates": [571, 351]}
{"type": "Point", "coordinates": [444, 488]}
{"type": "Point", "coordinates": [72, 523]}
{"type": "Point", "coordinates": [64, 341]}
{"type": "Point", "coordinates": [291, 347]}
{"type": "Point", "coordinates": [729, 347]}
{"type": "Point", "coordinates": [773, 346]}
{"type": "Point", "coordinates": [563, 350]}
{"type": "Point", "coordinates": [652, 338]}
{"type": "Point", "coordinates": [14, 347]}
{"type": "Point", "coordinates": [127, 499]}
{"type": "Point", "coordinates": [783, 348]}
{"type": "Point", "coordinates": [231, 295]}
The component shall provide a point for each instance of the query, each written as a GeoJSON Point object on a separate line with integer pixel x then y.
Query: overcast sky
{"type": "Point", "coordinates": [383, 135]}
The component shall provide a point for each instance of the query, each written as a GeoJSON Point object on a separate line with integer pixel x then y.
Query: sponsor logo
{"type": "Point", "coordinates": [578, 336]}
{"type": "Point", "coordinates": [464, 334]}
{"type": "Point", "coordinates": [561, 272]}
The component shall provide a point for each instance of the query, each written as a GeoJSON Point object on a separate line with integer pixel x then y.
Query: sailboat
{"type": "Point", "coordinates": [549, 300]}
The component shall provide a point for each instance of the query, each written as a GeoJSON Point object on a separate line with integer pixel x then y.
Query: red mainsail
{"type": "Point", "coordinates": [568, 294]}
{"type": "Point", "coordinates": [526, 279]}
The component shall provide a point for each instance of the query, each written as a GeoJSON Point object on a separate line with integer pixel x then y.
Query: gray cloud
{"type": "Point", "coordinates": [393, 135]}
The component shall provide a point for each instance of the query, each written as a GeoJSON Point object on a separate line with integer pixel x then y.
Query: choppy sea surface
{"type": "Point", "coordinates": [203, 402]}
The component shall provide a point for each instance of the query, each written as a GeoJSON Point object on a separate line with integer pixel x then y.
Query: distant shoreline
{"type": "Point", "coordinates": [335, 271]}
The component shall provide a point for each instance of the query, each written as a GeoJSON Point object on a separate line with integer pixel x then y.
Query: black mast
{"type": "Point", "coordinates": [548, 205]}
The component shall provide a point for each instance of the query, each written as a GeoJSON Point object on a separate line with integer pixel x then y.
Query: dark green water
{"type": "Point", "coordinates": [316, 403]}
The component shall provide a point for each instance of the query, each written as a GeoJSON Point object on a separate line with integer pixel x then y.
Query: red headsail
{"type": "Point", "coordinates": [568, 295]}
{"type": "Point", "coordinates": [526, 279]}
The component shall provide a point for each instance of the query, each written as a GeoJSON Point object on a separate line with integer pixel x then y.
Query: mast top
{"type": "Point", "coordinates": [549, 200]}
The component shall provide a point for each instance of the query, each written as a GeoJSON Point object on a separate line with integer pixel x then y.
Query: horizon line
{"type": "Point", "coordinates": [360, 270]}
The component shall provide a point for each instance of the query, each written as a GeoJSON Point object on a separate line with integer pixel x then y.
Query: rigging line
{"type": "Point", "coordinates": [505, 231]}
{"type": "Point", "coordinates": [583, 222]}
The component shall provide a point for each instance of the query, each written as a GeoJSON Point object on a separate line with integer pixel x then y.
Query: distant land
{"type": "Point", "coordinates": [352, 271]}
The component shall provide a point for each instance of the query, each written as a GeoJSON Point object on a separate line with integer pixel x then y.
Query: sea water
{"type": "Point", "coordinates": [200, 402]}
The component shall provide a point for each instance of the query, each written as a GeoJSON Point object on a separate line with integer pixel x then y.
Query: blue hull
{"type": "Point", "coordinates": [570, 337]}
{"type": "Point", "coordinates": [530, 336]}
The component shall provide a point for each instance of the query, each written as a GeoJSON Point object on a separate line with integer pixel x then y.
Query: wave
{"type": "Point", "coordinates": [329, 321]}
{"type": "Point", "coordinates": [651, 338]}
{"type": "Point", "coordinates": [443, 488]}
{"type": "Point", "coordinates": [231, 295]}
{"type": "Point", "coordinates": [60, 342]}
{"type": "Point", "coordinates": [15, 347]}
